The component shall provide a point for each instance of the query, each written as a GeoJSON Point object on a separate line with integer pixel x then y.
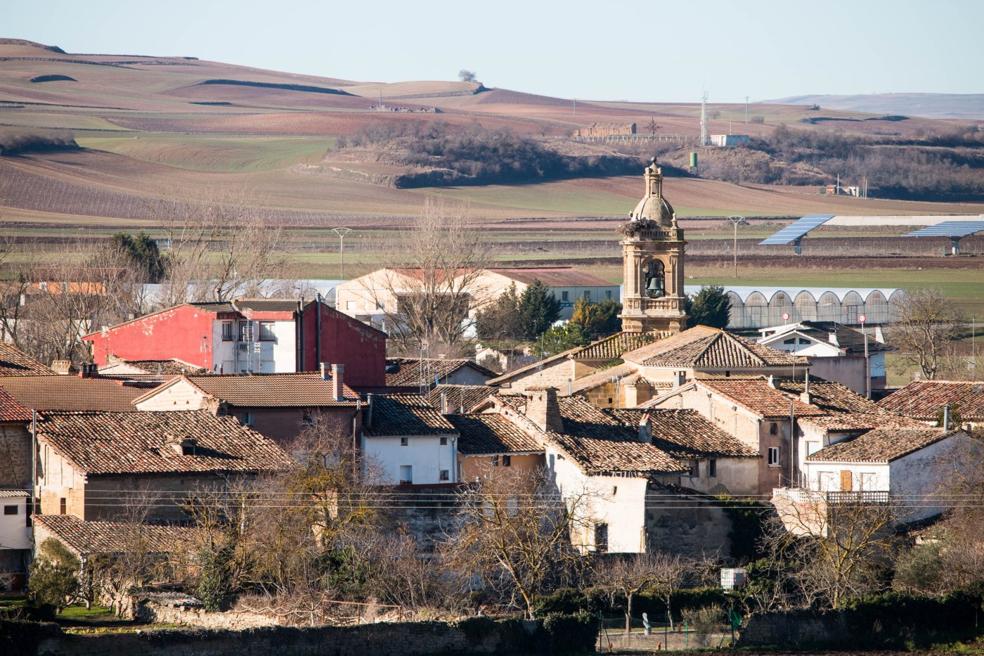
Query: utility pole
{"type": "Point", "coordinates": [341, 232]}
{"type": "Point", "coordinates": [704, 139]}
{"type": "Point", "coordinates": [736, 221]}
{"type": "Point", "coordinates": [867, 362]}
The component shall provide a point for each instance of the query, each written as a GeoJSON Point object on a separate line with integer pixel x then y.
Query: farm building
{"type": "Point", "coordinates": [753, 308]}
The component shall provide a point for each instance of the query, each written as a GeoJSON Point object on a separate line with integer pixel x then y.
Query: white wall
{"type": "Point", "coordinates": [268, 357]}
{"type": "Point", "coordinates": [934, 470]}
{"type": "Point", "coordinates": [865, 477]}
{"type": "Point", "coordinates": [14, 531]}
{"type": "Point", "coordinates": [424, 453]}
{"type": "Point", "coordinates": [182, 395]}
{"type": "Point", "coordinates": [619, 502]}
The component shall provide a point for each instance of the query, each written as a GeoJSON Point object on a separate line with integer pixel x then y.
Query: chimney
{"type": "Point", "coordinates": [946, 417]}
{"type": "Point", "coordinates": [771, 381]}
{"type": "Point", "coordinates": [369, 410]}
{"type": "Point", "coordinates": [88, 370]}
{"type": "Point", "coordinates": [444, 403]}
{"type": "Point", "coordinates": [338, 382]}
{"type": "Point", "coordinates": [805, 396]}
{"type": "Point", "coordinates": [645, 429]}
{"type": "Point", "coordinates": [543, 409]}
{"type": "Point", "coordinates": [324, 371]}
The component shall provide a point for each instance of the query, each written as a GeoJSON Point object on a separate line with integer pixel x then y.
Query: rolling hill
{"type": "Point", "coordinates": [927, 105]}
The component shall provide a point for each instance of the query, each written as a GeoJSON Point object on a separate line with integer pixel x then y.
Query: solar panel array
{"type": "Point", "coordinates": [796, 230]}
{"type": "Point", "coordinates": [955, 229]}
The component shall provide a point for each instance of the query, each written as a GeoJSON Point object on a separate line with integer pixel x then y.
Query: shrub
{"type": "Point", "coordinates": [54, 576]}
{"type": "Point", "coordinates": [214, 584]}
{"type": "Point", "coordinates": [704, 621]}
{"type": "Point", "coordinates": [570, 633]}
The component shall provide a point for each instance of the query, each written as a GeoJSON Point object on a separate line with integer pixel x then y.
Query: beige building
{"type": "Point", "coordinates": [98, 465]}
{"type": "Point", "coordinates": [375, 297]}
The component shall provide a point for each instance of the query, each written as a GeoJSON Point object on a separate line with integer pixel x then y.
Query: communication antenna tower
{"type": "Point", "coordinates": [704, 139]}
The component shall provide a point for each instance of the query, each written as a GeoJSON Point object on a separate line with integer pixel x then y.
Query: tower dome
{"type": "Point", "coordinates": [653, 206]}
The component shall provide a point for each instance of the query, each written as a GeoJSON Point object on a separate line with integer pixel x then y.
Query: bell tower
{"type": "Point", "coordinates": [652, 263]}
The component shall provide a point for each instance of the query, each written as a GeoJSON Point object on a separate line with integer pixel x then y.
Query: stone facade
{"type": "Point", "coordinates": [652, 255]}
{"type": "Point", "coordinates": [15, 456]}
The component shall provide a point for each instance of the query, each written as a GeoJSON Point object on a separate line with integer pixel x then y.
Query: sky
{"type": "Point", "coordinates": [611, 50]}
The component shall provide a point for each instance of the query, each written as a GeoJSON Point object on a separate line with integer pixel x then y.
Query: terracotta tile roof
{"type": "Point", "coordinates": [115, 537]}
{"type": "Point", "coordinates": [142, 442]}
{"type": "Point", "coordinates": [625, 372]}
{"type": "Point", "coordinates": [14, 362]}
{"type": "Point", "coordinates": [171, 367]}
{"type": "Point", "coordinates": [685, 433]}
{"type": "Point", "coordinates": [600, 444]}
{"type": "Point", "coordinates": [14, 494]}
{"type": "Point", "coordinates": [613, 346]}
{"type": "Point", "coordinates": [554, 276]}
{"type": "Point", "coordinates": [460, 398]}
{"type": "Point", "coordinates": [827, 395]}
{"type": "Point", "coordinates": [414, 372]}
{"type": "Point", "coordinates": [758, 396]}
{"type": "Point", "coordinates": [491, 434]}
{"type": "Point", "coordinates": [925, 399]}
{"type": "Point", "coordinates": [300, 390]}
{"type": "Point", "coordinates": [702, 347]}
{"type": "Point", "coordinates": [859, 421]}
{"type": "Point", "coordinates": [880, 445]}
{"type": "Point", "coordinates": [11, 409]}
{"type": "Point", "coordinates": [534, 366]}
{"type": "Point", "coordinates": [404, 415]}
{"type": "Point", "coordinates": [72, 393]}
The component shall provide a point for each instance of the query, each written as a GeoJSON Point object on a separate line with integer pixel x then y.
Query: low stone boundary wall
{"type": "Point", "coordinates": [385, 639]}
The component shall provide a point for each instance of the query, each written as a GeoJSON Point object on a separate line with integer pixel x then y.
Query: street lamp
{"type": "Point", "coordinates": [341, 232]}
{"type": "Point", "coordinates": [736, 221]}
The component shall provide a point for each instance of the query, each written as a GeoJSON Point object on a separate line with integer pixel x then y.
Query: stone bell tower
{"type": "Point", "coordinates": [652, 262]}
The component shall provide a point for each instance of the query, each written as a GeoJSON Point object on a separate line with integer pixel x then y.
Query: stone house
{"type": "Point", "coordinates": [407, 441]}
{"type": "Point", "coordinates": [904, 469]}
{"type": "Point", "coordinates": [924, 400]}
{"type": "Point", "coordinates": [718, 463]}
{"type": "Point", "coordinates": [279, 406]}
{"type": "Point", "coordinates": [755, 412]}
{"type": "Point", "coordinates": [96, 465]}
{"type": "Point", "coordinates": [623, 489]}
{"type": "Point", "coordinates": [415, 374]}
{"type": "Point", "coordinates": [487, 441]}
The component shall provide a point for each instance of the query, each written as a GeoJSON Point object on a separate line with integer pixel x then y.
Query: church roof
{"type": "Point", "coordinates": [654, 206]}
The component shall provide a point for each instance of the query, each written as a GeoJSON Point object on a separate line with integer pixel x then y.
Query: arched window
{"type": "Point", "coordinates": [655, 279]}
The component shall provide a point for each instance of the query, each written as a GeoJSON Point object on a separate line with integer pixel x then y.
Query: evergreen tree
{"type": "Point", "coordinates": [708, 307]}
{"type": "Point", "coordinates": [538, 310]}
{"type": "Point", "coordinates": [560, 338]}
{"type": "Point", "coordinates": [597, 319]}
{"type": "Point", "coordinates": [54, 575]}
{"type": "Point", "coordinates": [143, 251]}
{"type": "Point", "coordinates": [500, 320]}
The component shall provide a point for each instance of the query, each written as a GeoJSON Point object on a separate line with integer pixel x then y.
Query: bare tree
{"type": "Point", "coordinates": [626, 577]}
{"type": "Point", "coordinates": [226, 251]}
{"type": "Point", "coordinates": [927, 327]}
{"type": "Point", "coordinates": [428, 294]}
{"type": "Point", "coordinates": [515, 533]}
{"type": "Point", "coordinates": [837, 550]}
{"type": "Point", "coordinates": [466, 76]}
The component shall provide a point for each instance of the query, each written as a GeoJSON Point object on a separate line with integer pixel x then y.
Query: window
{"type": "Point", "coordinates": [266, 332]}
{"type": "Point", "coordinates": [10, 510]}
{"type": "Point", "coordinates": [62, 507]}
{"type": "Point", "coordinates": [444, 441]}
{"type": "Point", "coordinates": [404, 441]}
{"type": "Point", "coordinates": [445, 475]}
{"type": "Point", "coordinates": [565, 296]}
{"type": "Point", "coordinates": [868, 481]}
{"type": "Point", "coordinates": [773, 428]}
{"type": "Point", "coordinates": [601, 538]}
{"type": "Point", "coordinates": [587, 294]}
{"type": "Point", "coordinates": [694, 469]}
{"type": "Point", "coordinates": [226, 331]}
{"type": "Point", "coordinates": [550, 462]}
{"type": "Point", "coordinates": [406, 474]}
{"type": "Point", "coordinates": [248, 419]}
{"type": "Point", "coordinates": [608, 294]}
{"type": "Point", "coordinates": [245, 331]}
{"type": "Point", "coordinates": [506, 461]}
{"type": "Point", "coordinates": [825, 481]}
{"type": "Point", "coordinates": [495, 461]}
{"type": "Point", "coordinates": [712, 468]}
{"type": "Point", "coordinates": [773, 456]}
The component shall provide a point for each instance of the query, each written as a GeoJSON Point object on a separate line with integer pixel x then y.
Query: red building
{"type": "Point", "coordinates": [250, 336]}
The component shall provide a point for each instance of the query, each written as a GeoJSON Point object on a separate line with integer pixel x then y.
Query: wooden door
{"type": "Point", "coordinates": [846, 480]}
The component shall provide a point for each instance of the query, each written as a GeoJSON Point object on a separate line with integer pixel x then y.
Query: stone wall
{"type": "Point", "coordinates": [691, 525]}
{"type": "Point", "coordinates": [385, 639]}
{"type": "Point", "coordinates": [188, 611]}
{"type": "Point", "coordinates": [794, 630]}
{"type": "Point", "coordinates": [15, 456]}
